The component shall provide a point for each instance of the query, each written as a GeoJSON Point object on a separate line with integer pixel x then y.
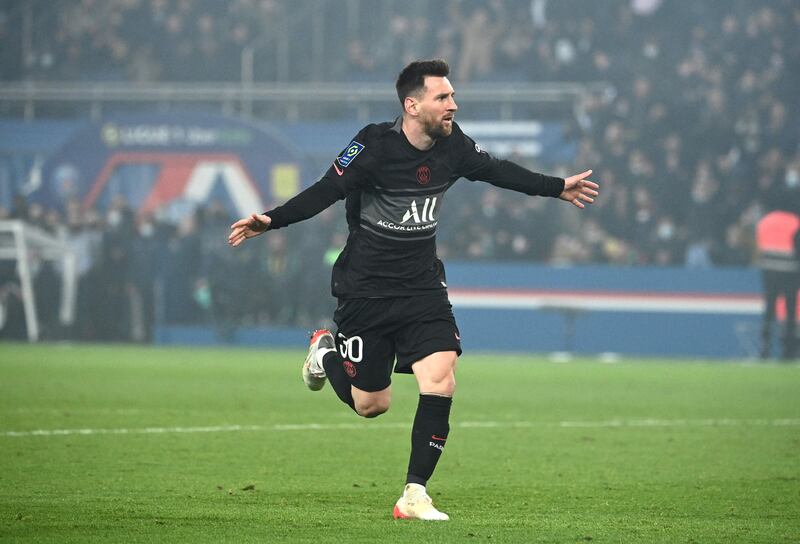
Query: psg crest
{"type": "Point", "coordinates": [423, 174]}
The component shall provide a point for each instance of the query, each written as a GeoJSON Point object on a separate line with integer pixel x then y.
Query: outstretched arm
{"type": "Point", "coordinates": [248, 227]}
{"type": "Point", "coordinates": [477, 164]}
{"type": "Point", "coordinates": [307, 203]}
{"type": "Point", "coordinates": [578, 189]}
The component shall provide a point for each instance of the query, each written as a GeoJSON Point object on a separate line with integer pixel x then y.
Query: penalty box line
{"type": "Point", "coordinates": [610, 423]}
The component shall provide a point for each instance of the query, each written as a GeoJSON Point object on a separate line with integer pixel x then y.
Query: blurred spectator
{"type": "Point", "coordinates": [698, 134]}
{"type": "Point", "coordinates": [478, 39]}
{"type": "Point", "coordinates": [779, 259]}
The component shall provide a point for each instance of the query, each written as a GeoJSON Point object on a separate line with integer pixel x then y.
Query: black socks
{"type": "Point", "coordinates": [431, 424]}
{"type": "Point", "coordinates": [332, 363]}
{"type": "Point", "coordinates": [428, 436]}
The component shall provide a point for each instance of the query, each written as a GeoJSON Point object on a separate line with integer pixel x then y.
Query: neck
{"type": "Point", "coordinates": [416, 135]}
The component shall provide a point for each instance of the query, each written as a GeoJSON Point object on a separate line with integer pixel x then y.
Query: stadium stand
{"type": "Point", "coordinates": [700, 130]}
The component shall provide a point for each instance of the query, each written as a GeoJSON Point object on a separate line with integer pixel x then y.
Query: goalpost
{"type": "Point", "coordinates": [21, 242]}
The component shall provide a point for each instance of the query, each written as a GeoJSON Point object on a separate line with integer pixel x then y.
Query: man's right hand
{"type": "Point", "coordinates": [248, 227]}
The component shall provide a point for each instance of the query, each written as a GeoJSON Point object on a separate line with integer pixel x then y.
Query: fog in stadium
{"type": "Point", "coordinates": [135, 131]}
{"type": "Point", "coordinates": [629, 369]}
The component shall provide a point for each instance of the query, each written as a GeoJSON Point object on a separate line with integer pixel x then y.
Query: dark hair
{"type": "Point", "coordinates": [412, 79]}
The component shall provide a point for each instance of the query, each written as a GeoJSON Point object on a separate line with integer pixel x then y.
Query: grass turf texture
{"type": "Point", "coordinates": [539, 472]}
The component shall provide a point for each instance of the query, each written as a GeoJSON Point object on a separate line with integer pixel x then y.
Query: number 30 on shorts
{"type": "Point", "coordinates": [351, 348]}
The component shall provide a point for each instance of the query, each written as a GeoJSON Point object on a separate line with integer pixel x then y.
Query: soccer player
{"type": "Point", "coordinates": [390, 285]}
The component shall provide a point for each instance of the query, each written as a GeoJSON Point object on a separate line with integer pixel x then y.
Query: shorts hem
{"type": "Point", "coordinates": [403, 365]}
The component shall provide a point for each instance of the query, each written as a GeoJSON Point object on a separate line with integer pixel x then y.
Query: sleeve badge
{"type": "Point", "coordinates": [350, 153]}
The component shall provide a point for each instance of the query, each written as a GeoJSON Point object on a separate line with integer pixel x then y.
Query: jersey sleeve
{"type": "Point", "coordinates": [477, 164]}
{"type": "Point", "coordinates": [344, 175]}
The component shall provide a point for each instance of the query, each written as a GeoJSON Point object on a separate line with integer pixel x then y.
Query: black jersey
{"type": "Point", "coordinates": [394, 195]}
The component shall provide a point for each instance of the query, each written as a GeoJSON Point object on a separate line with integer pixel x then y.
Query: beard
{"type": "Point", "coordinates": [437, 128]}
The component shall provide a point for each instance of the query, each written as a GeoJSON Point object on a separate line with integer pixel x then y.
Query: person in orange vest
{"type": "Point", "coordinates": [778, 241]}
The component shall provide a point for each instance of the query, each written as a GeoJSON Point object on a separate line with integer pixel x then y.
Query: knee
{"type": "Point", "coordinates": [372, 409]}
{"type": "Point", "coordinates": [436, 374]}
{"type": "Point", "coordinates": [371, 404]}
{"type": "Point", "coordinates": [445, 386]}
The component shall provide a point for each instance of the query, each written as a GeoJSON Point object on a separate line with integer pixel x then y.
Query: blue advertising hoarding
{"type": "Point", "coordinates": [167, 163]}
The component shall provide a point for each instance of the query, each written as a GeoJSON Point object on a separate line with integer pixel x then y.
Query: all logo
{"type": "Point", "coordinates": [427, 211]}
{"type": "Point", "coordinates": [349, 368]}
{"type": "Point", "coordinates": [423, 175]}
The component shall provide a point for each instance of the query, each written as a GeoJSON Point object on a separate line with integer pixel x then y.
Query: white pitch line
{"type": "Point", "coordinates": [612, 423]}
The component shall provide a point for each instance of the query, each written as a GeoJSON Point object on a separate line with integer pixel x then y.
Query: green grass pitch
{"type": "Point", "coordinates": [129, 444]}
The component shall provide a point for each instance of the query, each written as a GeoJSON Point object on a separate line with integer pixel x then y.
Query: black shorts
{"type": "Point", "coordinates": [374, 331]}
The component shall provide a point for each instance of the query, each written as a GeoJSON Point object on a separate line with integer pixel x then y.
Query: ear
{"type": "Point", "coordinates": [411, 106]}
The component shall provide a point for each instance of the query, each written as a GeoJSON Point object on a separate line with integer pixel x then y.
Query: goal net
{"type": "Point", "coordinates": [25, 244]}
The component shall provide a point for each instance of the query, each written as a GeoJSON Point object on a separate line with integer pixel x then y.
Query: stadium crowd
{"type": "Point", "coordinates": [135, 274]}
{"type": "Point", "coordinates": [697, 137]}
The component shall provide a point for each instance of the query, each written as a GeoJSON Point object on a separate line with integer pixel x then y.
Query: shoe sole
{"type": "Point", "coordinates": [397, 514]}
{"type": "Point", "coordinates": [313, 382]}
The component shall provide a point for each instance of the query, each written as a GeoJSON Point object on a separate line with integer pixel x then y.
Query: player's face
{"type": "Point", "coordinates": [437, 107]}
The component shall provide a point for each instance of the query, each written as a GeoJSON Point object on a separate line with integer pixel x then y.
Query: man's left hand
{"type": "Point", "coordinates": [578, 189]}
